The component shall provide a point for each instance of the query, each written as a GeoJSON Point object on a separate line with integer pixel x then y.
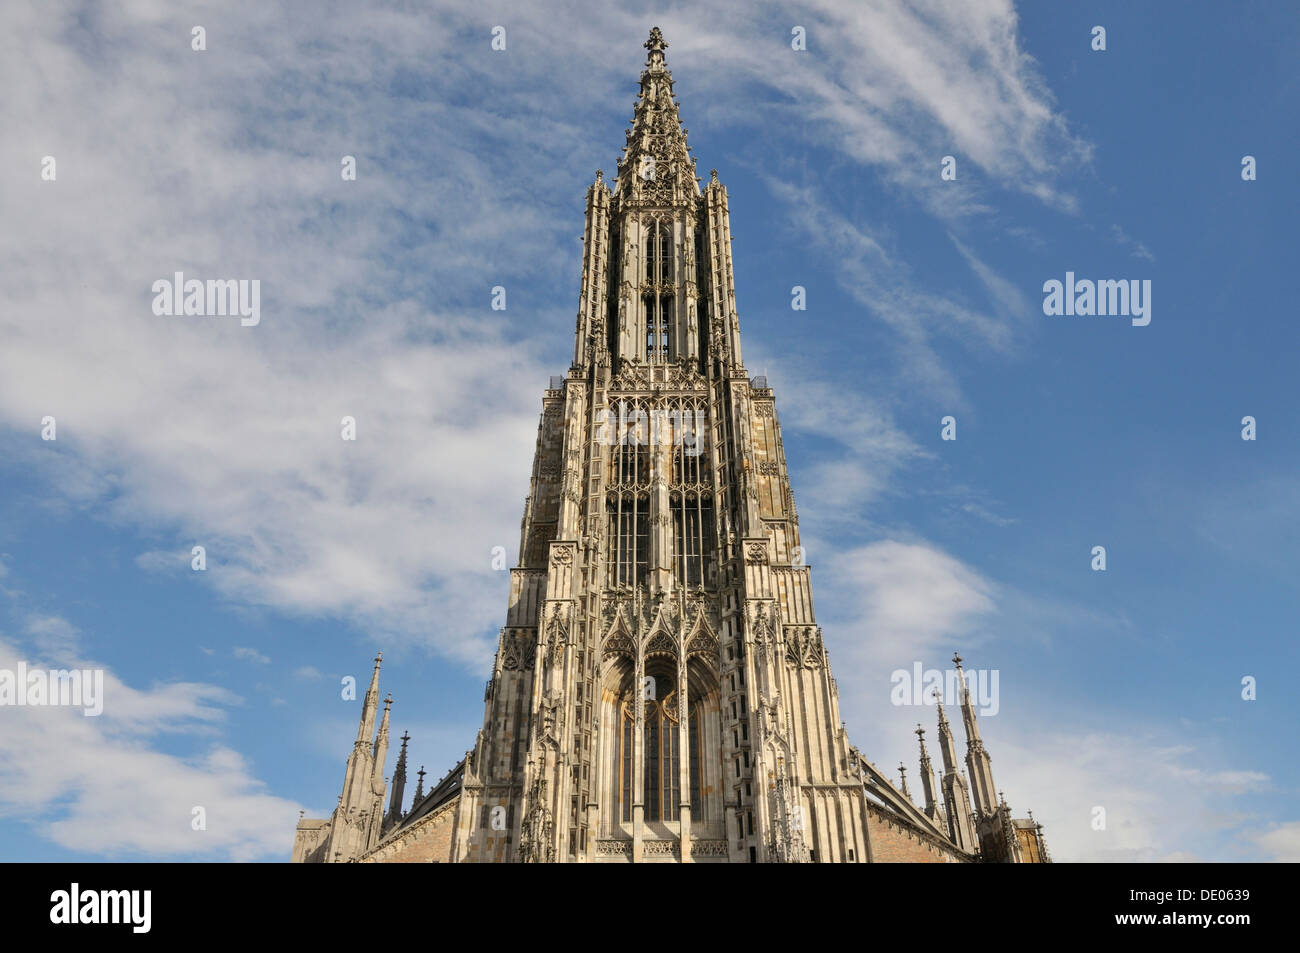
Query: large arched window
{"type": "Point", "coordinates": [661, 757]}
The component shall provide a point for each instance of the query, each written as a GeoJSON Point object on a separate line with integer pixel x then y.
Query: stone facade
{"type": "Point", "coordinates": [661, 690]}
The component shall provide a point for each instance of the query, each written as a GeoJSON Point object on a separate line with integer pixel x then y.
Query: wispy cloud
{"type": "Point", "coordinates": [250, 655]}
{"type": "Point", "coordinates": [1135, 247]}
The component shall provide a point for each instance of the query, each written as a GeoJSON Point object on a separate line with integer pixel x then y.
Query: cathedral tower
{"type": "Point", "coordinates": [661, 690]}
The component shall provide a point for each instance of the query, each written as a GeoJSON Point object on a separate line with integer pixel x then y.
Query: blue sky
{"type": "Point", "coordinates": [1119, 689]}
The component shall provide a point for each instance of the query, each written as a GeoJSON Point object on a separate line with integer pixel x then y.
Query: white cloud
{"type": "Point", "coordinates": [1160, 803]}
{"type": "Point", "coordinates": [918, 317]}
{"type": "Point", "coordinates": [94, 785]}
{"type": "Point", "coordinates": [53, 636]}
{"type": "Point", "coordinates": [250, 655]}
{"type": "Point", "coordinates": [909, 601]}
{"type": "Point", "coordinates": [1281, 843]}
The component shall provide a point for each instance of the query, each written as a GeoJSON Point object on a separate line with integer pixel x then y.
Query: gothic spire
{"type": "Point", "coordinates": [381, 747]}
{"type": "Point", "coordinates": [967, 713]}
{"type": "Point", "coordinates": [656, 165]}
{"type": "Point", "coordinates": [399, 784]}
{"type": "Point", "coordinates": [928, 788]}
{"type": "Point", "coordinates": [946, 747]}
{"type": "Point", "coordinates": [956, 798]}
{"type": "Point", "coordinates": [369, 706]}
{"type": "Point", "coordinates": [419, 787]}
{"type": "Point", "coordinates": [902, 779]}
{"type": "Point", "coordinates": [978, 761]}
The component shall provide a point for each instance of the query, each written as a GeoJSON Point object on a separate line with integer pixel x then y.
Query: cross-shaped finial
{"type": "Point", "coordinates": [956, 659]}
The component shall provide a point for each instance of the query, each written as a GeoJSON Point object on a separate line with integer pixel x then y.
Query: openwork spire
{"type": "Point", "coordinates": [656, 168]}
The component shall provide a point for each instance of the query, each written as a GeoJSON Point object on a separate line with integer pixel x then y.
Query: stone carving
{"type": "Point", "coordinates": [519, 649]}
{"type": "Point", "coordinates": [661, 644]}
{"type": "Point", "coordinates": [764, 629]}
{"type": "Point", "coordinates": [535, 838]}
{"type": "Point", "coordinates": [547, 726]}
{"type": "Point", "coordinates": [708, 848]}
{"type": "Point", "coordinates": [756, 553]}
{"type": "Point", "coordinates": [786, 840]}
{"type": "Point", "coordinates": [557, 633]}
{"type": "Point", "coordinates": [803, 646]}
{"type": "Point", "coordinates": [618, 644]}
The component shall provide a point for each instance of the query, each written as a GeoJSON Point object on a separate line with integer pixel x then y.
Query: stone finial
{"type": "Point", "coordinates": [656, 43]}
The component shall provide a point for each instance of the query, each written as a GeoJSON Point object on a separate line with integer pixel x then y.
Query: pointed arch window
{"type": "Point", "coordinates": [661, 758]}
{"type": "Point", "coordinates": [659, 252]}
{"type": "Point", "coordinates": [659, 302]}
{"type": "Point", "coordinates": [660, 344]}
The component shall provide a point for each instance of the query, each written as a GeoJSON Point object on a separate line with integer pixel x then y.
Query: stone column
{"type": "Point", "coordinates": [683, 743]}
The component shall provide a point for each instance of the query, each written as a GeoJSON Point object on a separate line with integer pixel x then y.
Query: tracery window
{"type": "Point", "coordinates": [691, 499]}
{"type": "Point", "coordinates": [659, 252]}
{"type": "Point", "coordinates": [628, 500]}
{"type": "Point", "coordinates": [693, 539]}
{"type": "Point", "coordinates": [629, 525]}
{"type": "Point", "coordinates": [659, 345]}
{"type": "Point", "coordinates": [659, 299]}
{"type": "Point", "coordinates": [661, 761]}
